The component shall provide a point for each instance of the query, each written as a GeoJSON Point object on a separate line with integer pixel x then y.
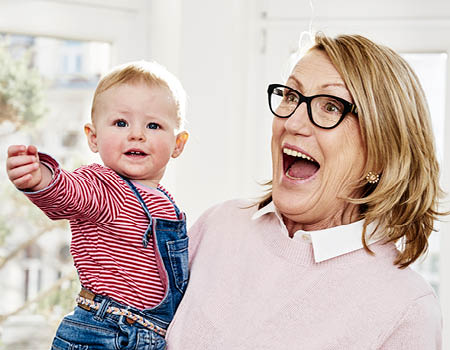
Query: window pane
{"type": "Point", "coordinates": [431, 71]}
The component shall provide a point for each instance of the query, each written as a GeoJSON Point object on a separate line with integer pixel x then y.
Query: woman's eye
{"type": "Point", "coordinates": [121, 123]}
{"type": "Point", "coordinates": [291, 98]}
{"type": "Point", "coordinates": [333, 107]}
{"type": "Point", "coordinates": [153, 126]}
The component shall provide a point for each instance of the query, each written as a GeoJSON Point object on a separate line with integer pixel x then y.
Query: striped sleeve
{"type": "Point", "coordinates": [91, 193]}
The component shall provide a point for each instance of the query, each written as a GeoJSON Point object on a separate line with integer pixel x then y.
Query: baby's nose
{"type": "Point", "coordinates": [136, 134]}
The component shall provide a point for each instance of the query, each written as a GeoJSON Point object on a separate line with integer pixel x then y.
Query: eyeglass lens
{"type": "Point", "coordinates": [324, 110]}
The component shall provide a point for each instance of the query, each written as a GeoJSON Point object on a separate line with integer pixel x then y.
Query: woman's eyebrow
{"type": "Point", "coordinates": [324, 86]}
{"type": "Point", "coordinates": [340, 88]}
{"type": "Point", "coordinates": [296, 81]}
{"type": "Point", "coordinates": [340, 85]}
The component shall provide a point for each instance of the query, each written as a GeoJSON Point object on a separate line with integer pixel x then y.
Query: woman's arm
{"type": "Point", "coordinates": [419, 328]}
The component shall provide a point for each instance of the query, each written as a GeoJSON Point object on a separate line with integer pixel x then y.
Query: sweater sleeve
{"type": "Point", "coordinates": [89, 193]}
{"type": "Point", "coordinates": [419, 328]}
{"type": "Point", "coordinates": [195, 234]}
{"type": "Point", "coordinates": [202, 225]}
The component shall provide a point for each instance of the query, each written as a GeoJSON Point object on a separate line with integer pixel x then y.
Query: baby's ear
{"type": "Point", "coordinates": [91, 135]}
{"type": "Point", "coordinates": [182, 138]}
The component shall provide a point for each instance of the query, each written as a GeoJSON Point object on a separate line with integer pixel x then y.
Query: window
{"type": "Point", "coordinates": [431, 69]}
{"type": "Point", "coordinates": [92, 35]}
{"type": "Point", "coordinates": [38, 249]}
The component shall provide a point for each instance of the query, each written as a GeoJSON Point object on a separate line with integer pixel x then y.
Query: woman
{"type": "Point", "coordinates": [314, 264]}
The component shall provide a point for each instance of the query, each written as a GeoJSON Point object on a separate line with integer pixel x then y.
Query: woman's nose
{"type": "Point", "coordinates": [299, 123]}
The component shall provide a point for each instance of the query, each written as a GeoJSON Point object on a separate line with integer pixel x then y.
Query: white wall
{"type": "Point", "coordinates": [215, 70]}
{"type": "Point", "coordinates": [213, 55]}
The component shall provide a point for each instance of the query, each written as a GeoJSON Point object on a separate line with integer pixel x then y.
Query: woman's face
{"type": "Point", "coordinates": [308, 192]}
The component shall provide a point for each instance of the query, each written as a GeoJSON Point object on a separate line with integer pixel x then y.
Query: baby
{"type": "Point", "coordinates": [129, 242]}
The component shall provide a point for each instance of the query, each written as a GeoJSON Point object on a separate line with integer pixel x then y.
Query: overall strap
{"type": "Point", "coordinates": [149, 231]}
{"type": "Point", "coordinates": [152, 222]}
{"type": "Point", "coordinates": [138, 196]}
{"type": "Point", "coordinates": [177, 211]}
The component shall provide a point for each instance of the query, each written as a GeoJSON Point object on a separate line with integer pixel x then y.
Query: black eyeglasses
{"type": "Point", "coordinates": [324, 111]}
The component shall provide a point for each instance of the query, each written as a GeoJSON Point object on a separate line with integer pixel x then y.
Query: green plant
{"type": "Point", "coordinates": [21, 89]}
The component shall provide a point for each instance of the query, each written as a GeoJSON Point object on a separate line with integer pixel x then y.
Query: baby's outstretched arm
{"type": "Point", "coordinates": [24, 169]}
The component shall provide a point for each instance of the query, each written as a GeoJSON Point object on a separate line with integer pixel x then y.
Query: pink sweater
{"type": "Point", "coordinates": [254, 288]}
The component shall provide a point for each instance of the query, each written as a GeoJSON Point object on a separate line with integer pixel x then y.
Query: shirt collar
{"type": "Point", "coordinates": [328, 243]}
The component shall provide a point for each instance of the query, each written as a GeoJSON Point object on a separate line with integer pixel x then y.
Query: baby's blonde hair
{"type": "Point", "coordinates": [151, 73]}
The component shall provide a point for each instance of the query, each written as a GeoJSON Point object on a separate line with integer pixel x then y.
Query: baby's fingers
{"type": "Point", "coordinates": [32, 150]}
{"type": "Point", "coordinates": [17, 174]}
{"type": "Point", "coordinates": [22, 166]}
{"type": "Point", "coordinates": [16, 150]}
{"type": "Point", "coordinates": [20, 150]}
{"type": "Point", "coordinates": [17, 161]}
{"type": "Point", "coordinates": [24, 182]}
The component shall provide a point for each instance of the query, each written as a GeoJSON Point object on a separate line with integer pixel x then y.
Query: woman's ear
{"type": "Point", "coordinates": [182, 138]}
{"type": "Point", "coordinates": [91, 135]}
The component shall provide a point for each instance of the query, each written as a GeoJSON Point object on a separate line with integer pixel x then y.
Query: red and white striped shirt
{"type": "Point", "coordinates": [108, 223]}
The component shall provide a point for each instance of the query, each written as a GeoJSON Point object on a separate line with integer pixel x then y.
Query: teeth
{"type": "Point", "coordinates": [293, 153]}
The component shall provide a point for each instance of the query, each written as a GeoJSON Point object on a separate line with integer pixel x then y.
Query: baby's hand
{"type": "Point", "coordinates": [23, 167]}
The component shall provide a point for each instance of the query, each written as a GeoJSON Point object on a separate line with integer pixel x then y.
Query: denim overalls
{"type": "Point", "coordinates": [100, 323]}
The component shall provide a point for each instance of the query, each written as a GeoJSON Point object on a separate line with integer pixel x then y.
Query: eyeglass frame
{"type": "Point", "coordinates": [348, 106]}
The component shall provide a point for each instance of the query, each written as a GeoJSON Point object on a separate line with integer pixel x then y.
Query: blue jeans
{"type": "Point", "coordinates": [100, 330]}
{"type": "Point", "coordinates": [84, 330]}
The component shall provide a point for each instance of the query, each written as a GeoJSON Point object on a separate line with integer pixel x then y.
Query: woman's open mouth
{"type": "Point", "coordinates": [297, 165]}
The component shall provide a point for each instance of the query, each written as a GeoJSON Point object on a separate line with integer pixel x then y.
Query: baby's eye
{"type": "Point", "coordinates": [153, 126]}
{"type": "Point", "coordinates": [121, 123]}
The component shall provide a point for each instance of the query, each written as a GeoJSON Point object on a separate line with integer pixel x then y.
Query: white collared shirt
{"type": "Point", "coordinates": [328, 243]}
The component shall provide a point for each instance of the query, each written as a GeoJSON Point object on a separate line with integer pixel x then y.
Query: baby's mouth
{"type": "Point", "coordinates": [135, 154]}
{"type": "Point", "coordinates": [297, 165]}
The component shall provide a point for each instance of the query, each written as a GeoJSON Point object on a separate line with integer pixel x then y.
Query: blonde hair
{"type": "Point", "coordinates": [152, 74]}
{"type": "Point", "coordinates": [396, 128]}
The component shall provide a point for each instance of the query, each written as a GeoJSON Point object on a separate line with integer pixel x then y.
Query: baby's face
{"type": "Point", "coordinates": [135, 131]}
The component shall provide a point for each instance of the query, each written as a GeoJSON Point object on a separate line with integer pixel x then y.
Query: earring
{"type": "Point", "coordinates": [372, 178]}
